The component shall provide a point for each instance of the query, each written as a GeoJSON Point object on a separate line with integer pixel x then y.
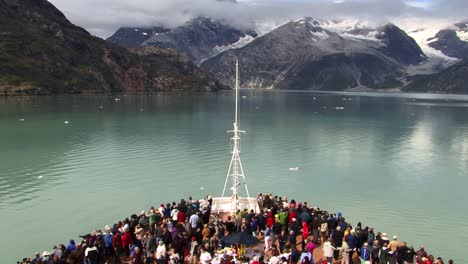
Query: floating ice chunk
{"type": "Point", "coordinates": [40, 177]}
{"type": "Point", "coordinates": [339, 108]}
{"type": "Point", "coordinates": [294, 168]}
{"type": "Point", "coordinates": [66, 122]}
{"type": "Point", "coordinates": [144, 33]}
{"type": "Point", "coordinates": [21, 119]}
{"type": "Point", "coordinates": [202, 188]}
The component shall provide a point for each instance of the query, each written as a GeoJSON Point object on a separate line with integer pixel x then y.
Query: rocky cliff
{"type": "Point", "coordinates": [41, 52]}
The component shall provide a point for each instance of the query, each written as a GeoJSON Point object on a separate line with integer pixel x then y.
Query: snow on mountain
{"type": "Point", "coordinates": [463, 35]}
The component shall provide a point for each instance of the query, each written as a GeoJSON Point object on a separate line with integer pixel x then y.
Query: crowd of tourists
{"type": "Point", "coordinates": [188, 232]}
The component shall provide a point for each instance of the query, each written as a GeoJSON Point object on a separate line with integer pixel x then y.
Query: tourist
{"type": "Point", "coordinates": [139, 232]}
{"type": "Point", "coordinates": [401, 252]}
{"type": "Point", "coordinates": [127, 241]}
{"type": "Point", "coordinates": [375, 252]}
{"type": "Point", "coordinates": [421, 253]}
{"type": "Point", "coordinates": [292, 238]}
{"type": "Point", "coordinates": [305, 234]}
{"type": "Point", "coordinates": [295, 254]}
{"type": "Point", "coordinates": [323, 230]}
{"type": "Point", "coordinates": [91, 254]}
{"type": "Point", "coordinates": [37, 258]}
{"type": "Point", "coordinates": [393, 245]}
{"type": "Point", "coordinates": [307, 257]}
{"type": "Point", "coordinates": [166, 240]}
{"type": "Point", "coordinates": [282, 240]}
{"type": "Point", "coordinates": [161, 253]}
{"type": "Point", "coordinates": [344, 251]}
{"type": "Point", "coordinates": [205, 256]}
{"type": "Point", "coordinates": [267, 238]}
{"type": "Point", "coordinates": [410, 255]}
{"type": "Point", "coordinates": [137, 257]}
{"type": "Point", "coordinates": [365, 253]}
{"type": "Point", "coordinates": [384, 255]}
{"type": "Point", "coordinates": [328, 250]}
{"type": "Point", "coordinates": [315, 227]}
{"type": "Point", "coordinates": [71, 245]}
{"type": "Point", "coordinates": [352, 242]}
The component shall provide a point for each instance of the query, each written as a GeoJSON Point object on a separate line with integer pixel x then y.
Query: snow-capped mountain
{"type": "Point", "coordinates": [201, 38]}
{"type": "Point", "coordinates": [304, 55]}
{"type": "Point", "coordinates": [452, 41]}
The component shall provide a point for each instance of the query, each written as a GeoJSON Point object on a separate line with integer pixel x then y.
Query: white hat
{"type": "Point", "coordinates": [45, 253]}
{"type": "Point", "coordinates": [107, 228]}
{"type": "Point", "coordinates": [142, 212]}
{"type": "Point", "coordinates": [395, 237]}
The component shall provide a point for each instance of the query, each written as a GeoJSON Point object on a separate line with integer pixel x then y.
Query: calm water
{"type": "Point", "coordinates": [394, 162]}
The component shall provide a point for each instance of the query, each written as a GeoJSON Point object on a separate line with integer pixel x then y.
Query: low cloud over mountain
{"type": "Point", "coordinates": [103, 17]}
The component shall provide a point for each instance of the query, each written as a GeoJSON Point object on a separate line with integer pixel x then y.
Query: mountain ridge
{"type": "Point", "coordinates": [42, 52]}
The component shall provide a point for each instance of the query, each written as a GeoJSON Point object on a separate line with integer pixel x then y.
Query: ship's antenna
{"type": "Point", "coordinates": [235, 170]}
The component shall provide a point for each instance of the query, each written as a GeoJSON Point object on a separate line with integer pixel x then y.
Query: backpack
{"type": "Point", "coordinates": [93, 257]}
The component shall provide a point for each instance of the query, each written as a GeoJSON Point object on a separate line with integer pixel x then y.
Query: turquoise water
{"type": "Point", "coordinates": [395, 162]}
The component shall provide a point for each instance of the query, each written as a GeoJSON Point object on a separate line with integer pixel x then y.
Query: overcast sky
{"type": "Point", "coordinates": [103, 17]}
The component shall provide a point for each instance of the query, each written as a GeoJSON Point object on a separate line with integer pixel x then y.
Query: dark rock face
{"type": "Point", "coordinates": [131, 37]}
{"type": "Point", "coordinates": [41, 52]}
{"type": "Point", "coordinates": [451, 80]}
{"type": "Point", "coordinates": [399, 46]}
{"type": "Point", "coordinates": [198, 38]}
{"type": "Point", "coordinates": [448, 42]}
{"type": "Point", "coordinates": [302, 55]}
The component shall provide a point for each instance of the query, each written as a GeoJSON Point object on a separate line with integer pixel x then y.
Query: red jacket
{"type": "Point", "coordinates": [181, 217]}
{"type": "Point", "coordinates": [127, 239]}
{"type": "Point", "coordinates": [305, 230]}
{"type": "Point", "coordinates": [116, 241]}
{"type": "Point", "coordinates": [270, 220]}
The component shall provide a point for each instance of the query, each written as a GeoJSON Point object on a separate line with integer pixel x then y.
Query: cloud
{"type": "Point", "coordinates": [103, 17]}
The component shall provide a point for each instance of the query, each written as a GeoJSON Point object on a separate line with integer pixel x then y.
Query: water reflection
{"type": "Point", "coordinates": [168, 145]}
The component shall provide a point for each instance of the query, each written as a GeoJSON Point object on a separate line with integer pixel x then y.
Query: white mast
{"type": "Point", "coordinates": [235, 170]}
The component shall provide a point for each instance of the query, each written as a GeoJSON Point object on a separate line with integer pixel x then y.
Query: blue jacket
{"type": "Point", "coordinates": [365, 253]}
{"type": "Point", "coordinates": [352, 241]}
{"type": "Point", "coordinates": [108, 240]}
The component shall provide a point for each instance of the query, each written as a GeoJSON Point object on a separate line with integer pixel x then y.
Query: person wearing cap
{"type": "Point", "coordinates": [393, 245]}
